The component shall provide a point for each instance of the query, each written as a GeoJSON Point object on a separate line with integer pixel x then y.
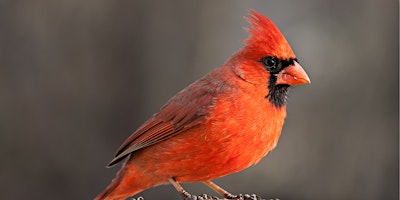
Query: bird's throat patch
{"type": "Point", "coordinates": [277, 94]}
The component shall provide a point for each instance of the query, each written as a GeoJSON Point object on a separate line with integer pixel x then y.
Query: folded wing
{"type": "Point", "coordinates": [183, 111]}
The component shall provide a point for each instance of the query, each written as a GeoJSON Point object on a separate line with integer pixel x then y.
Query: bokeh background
{"type": "Point", "coordinates": [78, 77]}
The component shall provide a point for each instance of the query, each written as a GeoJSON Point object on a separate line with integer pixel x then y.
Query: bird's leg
{"type": "Point", "coordinates": [218, 189]}
{"type": "Point", "coordinates": [179, 188]}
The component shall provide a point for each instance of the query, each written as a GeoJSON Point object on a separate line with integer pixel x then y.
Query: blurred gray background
{"type": "Point", "coordinates": [78, 77]}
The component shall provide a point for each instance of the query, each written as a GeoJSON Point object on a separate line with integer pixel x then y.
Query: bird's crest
{"type": "Point", "coordinates": [265, 38]}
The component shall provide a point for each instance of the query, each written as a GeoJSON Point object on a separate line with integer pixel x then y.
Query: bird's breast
{"type": "Point", "coordinates": [245, 127]}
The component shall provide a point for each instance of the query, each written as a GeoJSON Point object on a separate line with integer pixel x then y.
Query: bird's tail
{"type": "Point", "coordinates": [128, 182]}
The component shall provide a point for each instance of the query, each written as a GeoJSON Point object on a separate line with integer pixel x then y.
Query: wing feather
{"type": "Point", "coordinates": [180, 113]}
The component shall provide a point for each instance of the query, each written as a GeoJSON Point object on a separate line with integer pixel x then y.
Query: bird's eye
{"type": "Point", "coordinates": [270, 63]}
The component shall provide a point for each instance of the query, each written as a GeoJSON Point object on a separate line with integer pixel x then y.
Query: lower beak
{"type": "Point", "coordinates": [293, 75]}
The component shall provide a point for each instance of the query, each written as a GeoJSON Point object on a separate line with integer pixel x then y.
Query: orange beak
{"type": "Point", "coordinates": [293, 75]}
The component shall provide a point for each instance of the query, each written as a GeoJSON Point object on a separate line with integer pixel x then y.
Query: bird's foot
{"type": "Point", "coordinates": [188, 196]}
{"type": "Point", "coordinates": [244, 197]}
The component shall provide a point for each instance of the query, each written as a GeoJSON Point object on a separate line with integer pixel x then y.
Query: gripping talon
{"type": "Point", "coordinates": [179, 188]}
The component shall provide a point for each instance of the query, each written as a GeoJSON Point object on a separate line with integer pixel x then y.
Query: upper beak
{"type": "Point", "coordinates": [293, 75]}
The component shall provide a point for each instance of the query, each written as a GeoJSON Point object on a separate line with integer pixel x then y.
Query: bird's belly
{"type": "Point", "coordinates": [202, 154]}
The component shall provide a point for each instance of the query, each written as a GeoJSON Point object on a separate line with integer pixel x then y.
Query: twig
{"type": "Point", "coordinates": [238, 197]}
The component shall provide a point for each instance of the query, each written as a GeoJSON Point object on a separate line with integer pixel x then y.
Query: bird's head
{"type": "Point", "coordinates": [267, 58]}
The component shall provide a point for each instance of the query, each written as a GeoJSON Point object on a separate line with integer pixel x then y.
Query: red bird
{"type": "Point", "coordinates": [221, 124]}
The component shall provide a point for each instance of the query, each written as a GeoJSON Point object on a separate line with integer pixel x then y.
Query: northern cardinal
{"type": "Point", "coordinates": [222, 123]}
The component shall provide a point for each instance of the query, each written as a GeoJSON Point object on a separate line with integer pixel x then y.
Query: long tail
{"type": "Point", "coordinates": [128, 182]}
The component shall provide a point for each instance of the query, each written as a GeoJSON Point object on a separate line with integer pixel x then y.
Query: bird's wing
{"type": "Point", "coordinates": [183, 111]}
